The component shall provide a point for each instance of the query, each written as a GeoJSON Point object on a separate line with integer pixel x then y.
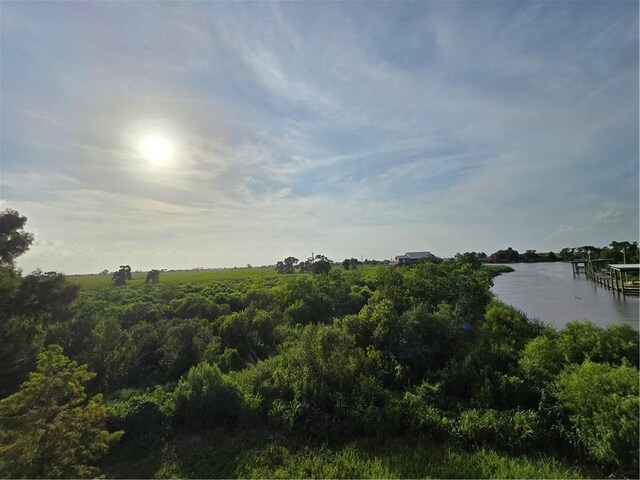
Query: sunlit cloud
{"type": "Point", "coordinates": [288, 128]}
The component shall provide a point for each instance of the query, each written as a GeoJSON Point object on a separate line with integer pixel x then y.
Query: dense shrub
{"type": "Point", "coordinates": [140, 312]}
{"type": "Point", "coordinates": [195, 305]}
{"type": "Point", "coordinates": [505, 429]}
{"type": "Point", "coordinates": [601, 402]}
{"type": "Point", "coordinates": [184, 345]}
{"type": "Point", "coordinates": [545, 356]}
{"type": "Point", "coordinates": [144, 415]}
{"type": "Point", "coordinates": [205, 397]}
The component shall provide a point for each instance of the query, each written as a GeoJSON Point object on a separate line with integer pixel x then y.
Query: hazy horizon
{"type": "Point", "coordinates": [180, 135]}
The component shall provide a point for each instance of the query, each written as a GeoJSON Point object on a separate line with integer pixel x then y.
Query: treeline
{"type": "Point", "coordinates": [616, 252]}
{"type": "Point", "coordinates": [421, 353]}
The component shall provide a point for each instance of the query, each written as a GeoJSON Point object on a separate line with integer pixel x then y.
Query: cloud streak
{"type": "Point", "coordinates": [343, 128]}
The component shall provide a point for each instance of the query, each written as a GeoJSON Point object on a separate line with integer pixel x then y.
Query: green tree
{"type": "Point", "coordinates": [287, 266]}
{"type": "Point", "coordinates": [153, 276]}
{"type": "Point", "coordinates": [122, 275]}
{"type": "Point", "coordinates": [506, 256]}
{"type": "Point", "coordinates": [470, 258]}
{"type": "Point", "coordinates": [350, 263]}
{"type": "Point", "coordinates": [318, 264]}
{"type": "Point", "coordinates": [50, 428]}
{"type": "Point", "coordinates": [28, 306]}
{"type": "Point", "coordinates": [206, 397]}
{"type": "Point", "coordinates": [14, 241]}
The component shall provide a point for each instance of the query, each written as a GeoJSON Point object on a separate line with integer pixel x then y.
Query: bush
{"type": "Point", "coordinates": [205, 397]}
{"type": "Point", "coordinates": [505, 429]}
{"type": "Point", "coordinates": [601, 403]}
{"type": "Point", "coordinates": [142, 414]}
{"type": "Point", "coordinates": [195, 305]}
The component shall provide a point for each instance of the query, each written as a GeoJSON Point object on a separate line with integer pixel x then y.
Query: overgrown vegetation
{"type": "Point", "coordinates": [380, 373]}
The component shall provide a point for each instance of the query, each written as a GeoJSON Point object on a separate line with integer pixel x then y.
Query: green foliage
{"type": "Point", "coordinates": [251, 333]}
{"type": "Point", "coordinates": [122, 276]}
{"type": "Point", "coordinates": [140, 312]}
{"type": "Point", "coordinates": [506, 429]}
{"type": "Point", "coordinates": [28, 306]}
{"type": "Point", "coordinates": [195, 305]}
{"type": "Point", "coordinates": [368, 353]}
{"type": "Point", "coordinates": [541, 361]}
{"type": "Point", "coordinates": [144, 415]}
{"type": "Point", "coordinates": [184, 345]}
{"type": "Point", "coordinates": [50, 428]}
{"type": "Point", "coordinates": [545, 356]}
{"type": "Point", "coordinates": [205, 397]}
{"type": "Point", "coordinates": [602, 402]}
{"type": "Point", "coordinates": [351, 263]}
{"type": "Point", "coordinates": [14, 241]}
{"type": "Point", "coordinates": [396, 458]}
{"type": "Point", "coordinates": [505, 256]}
{"type": "Point", "coordinates": [153, 276]}
{"type": "Point", "coordinates": [472, 259]}
{"type": "Point", "coordinates": [287, 266]}
{"type": "Point", "coordinates": [318, 264]}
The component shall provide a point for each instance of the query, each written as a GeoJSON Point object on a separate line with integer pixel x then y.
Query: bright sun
{"type": "Point", "coordinates": [158, 150]}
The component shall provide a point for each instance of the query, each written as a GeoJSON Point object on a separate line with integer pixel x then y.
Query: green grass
{"type": "Point", "coordinates": [258, 454]}
{"type": "Point", "coordinates": [495, 269]}
{"type": "Point", "coordinates": [397, 458]}
{"type": "Point", "coordinates": [92, 282]}
{"type": "Point", "coordinates": [95, 282]}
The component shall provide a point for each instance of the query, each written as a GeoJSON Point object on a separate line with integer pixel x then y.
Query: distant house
{"type": "Point", "coordinates": [412, 258]}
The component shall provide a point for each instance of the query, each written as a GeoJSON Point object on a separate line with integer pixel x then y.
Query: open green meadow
{"type": "Point", "coordinates": [178, 276]}
{"type": "Point", "coordinates": [95, 281]}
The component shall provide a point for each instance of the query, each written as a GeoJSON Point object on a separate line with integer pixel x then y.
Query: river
{"type": "Point", "coordinates": [549, 292]}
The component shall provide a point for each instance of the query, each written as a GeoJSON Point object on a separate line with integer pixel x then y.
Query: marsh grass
{"type": "Point", "coordinates": [259, 454]}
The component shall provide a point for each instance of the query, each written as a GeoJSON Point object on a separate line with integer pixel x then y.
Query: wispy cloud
{"type": "Point", "coordinates": [342, 128]}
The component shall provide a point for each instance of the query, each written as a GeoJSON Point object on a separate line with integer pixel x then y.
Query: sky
{"type": "Point", "coordinates": [343, 128]}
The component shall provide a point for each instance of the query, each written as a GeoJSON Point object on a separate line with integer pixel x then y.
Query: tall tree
{"type": "Point", "coordinates": [122, 275]}
{"type": "Point", "coordinates": [153, 276]}
{"type": "Point", "coordinates": [14, 241]}
{"type": "Point", "coordinates": [287, 266]}
{"type": "Point", "coordinates": [50, 428]}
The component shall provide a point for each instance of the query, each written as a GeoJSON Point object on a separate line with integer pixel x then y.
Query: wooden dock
{"type": "Point", "coordinates": [620, 278]}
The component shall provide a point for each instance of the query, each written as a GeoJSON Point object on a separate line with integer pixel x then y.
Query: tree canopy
{"type": "Point", "coordinates": [50, 428]}
{"type": "Point", "coordinates": [14, 241]}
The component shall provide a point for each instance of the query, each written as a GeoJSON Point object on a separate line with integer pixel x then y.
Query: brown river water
{"type": "Point", "coordinates": [549, 292]}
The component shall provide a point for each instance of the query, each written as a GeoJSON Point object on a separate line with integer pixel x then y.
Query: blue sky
{"type": "Point", "coordinates": [343, 128]}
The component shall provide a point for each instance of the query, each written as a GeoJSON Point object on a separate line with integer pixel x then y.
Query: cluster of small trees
{"type": "Point", "coordinates": [49, 427]}
{"type": "Point", "coordinates": [318, 264]}
{"type": "Point", "coordinates": [123, 275]}
{"type": "Point", "coordinates": [617, 252]}
{"type": "Point", "coordinates": [351, 263]}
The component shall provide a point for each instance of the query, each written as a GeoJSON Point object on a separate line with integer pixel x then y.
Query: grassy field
{"type": "Point", "coordinates": [91, 282]}
{"type": "Point", "coordinates": [94, 282]}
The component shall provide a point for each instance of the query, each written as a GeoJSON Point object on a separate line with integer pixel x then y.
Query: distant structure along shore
{"type": "Point", "coordinates": [412, 258]}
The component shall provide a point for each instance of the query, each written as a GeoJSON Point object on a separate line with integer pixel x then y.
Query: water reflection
{"type": "Point", "coordinates": [549, 292]}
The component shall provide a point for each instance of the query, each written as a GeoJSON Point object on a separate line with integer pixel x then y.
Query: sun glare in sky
{"type": "Point", "coordinates": [156, 149]}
